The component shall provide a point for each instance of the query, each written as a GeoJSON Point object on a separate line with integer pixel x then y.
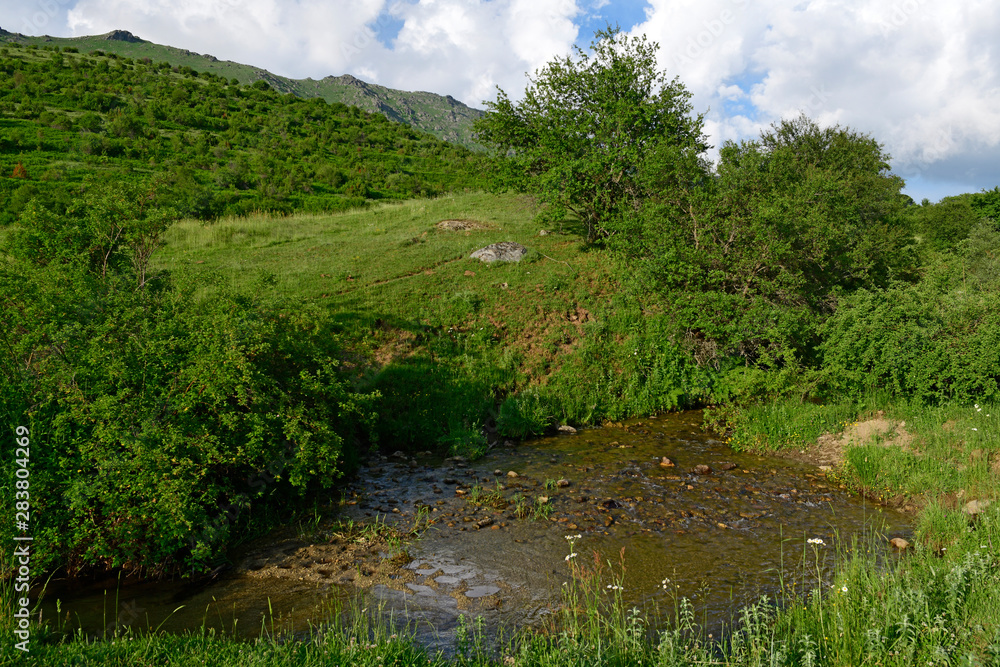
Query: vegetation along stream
{"type": "Point", "coordinates": [497, 537]}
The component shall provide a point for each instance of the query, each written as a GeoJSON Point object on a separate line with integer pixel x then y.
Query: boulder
{"type": "Point", "coordinates": [505, 251]}
{"type": "Point", "coordinates": [566, 429]}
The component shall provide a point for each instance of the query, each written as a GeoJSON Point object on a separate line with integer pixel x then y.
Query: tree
{"type": "Point", "coordinates": [755, 257]}
{"type": "Point", "coordinates": [585, 127]}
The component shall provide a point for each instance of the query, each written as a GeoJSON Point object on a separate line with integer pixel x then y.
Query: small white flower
{"type": "Point", "coordinates": [573, 555]}
{"type": "Point", "coordinates": [976, 406]}
{"type": "Point", "coordinates": [815, 540]}
{"type": "Point", "coordinates": [975, 429]}
{"type": "Point", "coordinates": [843, 589]}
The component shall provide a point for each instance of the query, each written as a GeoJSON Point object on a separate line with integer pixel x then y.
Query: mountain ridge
{"type": "Point", "coordinates": [440, 115]}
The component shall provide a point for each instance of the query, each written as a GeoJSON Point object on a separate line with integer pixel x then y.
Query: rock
{"type": "Point", "coordinates": [666, 463]}
{"type": "Point", "coordinates": [483, 523]}
{"type": "Point", "coordinates": [498, 472]}
{"type": "Point", "coordinates": [702, 469]}
{"type": "Point", "coordinates": [899, 543]}
{"type": "Point", "coordinates": [567, 430]}
{"type": "Point", "coordinates": [562, 483]}
{"type": "Point", "coordinates": [611, 504]}
{"type": "Point", "coordinates": [974, 507]}
{"type": "Point", "coordinates": [608, 521]}
{"type": "Point", "coordinates": [512, 474]}
{"type": "Point", "coordinates": [542, 500]}
{"type": "Point", "coordinates": [544, 232]}
{"type": "Point", "coordinates": [727, 466]}
{"type": "Point", "coordinates": [505, 251]}
{"type": "Point", "coordinates": [460, 492]}
{"type": "Point", "coordinates": [397, 455]}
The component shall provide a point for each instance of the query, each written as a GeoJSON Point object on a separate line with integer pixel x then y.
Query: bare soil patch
{"type": "Point", "coordinates": [464, 225]}
{"type": "Point", "coordinates": [829, 449]}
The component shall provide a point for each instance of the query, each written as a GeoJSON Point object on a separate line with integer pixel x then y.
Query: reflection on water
{"type": "Point", "coordinates": [722, 527]}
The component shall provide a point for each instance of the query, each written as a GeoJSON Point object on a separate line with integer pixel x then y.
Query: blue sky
{"type": "Point", "coordinates": [921, 77]}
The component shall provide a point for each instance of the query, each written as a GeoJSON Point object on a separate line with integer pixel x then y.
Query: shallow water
{"type": "Point", "coordinates": [722, 538]}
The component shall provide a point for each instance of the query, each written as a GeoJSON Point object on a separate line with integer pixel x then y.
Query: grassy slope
{"type": "Point", "coordinates": [442, 116]}
{"type": "Point", "coordinates": [412, 302]}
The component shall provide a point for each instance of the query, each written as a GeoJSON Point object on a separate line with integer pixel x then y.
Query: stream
{"type": "Point", "coordinates": [722, 528]}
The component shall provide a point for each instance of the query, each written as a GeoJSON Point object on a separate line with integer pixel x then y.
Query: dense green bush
{"type": "Point", "coordinates": [156, 414]}
{"type": "Point", "coordinates": [915, 341]}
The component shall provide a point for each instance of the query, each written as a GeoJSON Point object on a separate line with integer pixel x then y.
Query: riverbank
{"type": "Point", "coordinates": [937, 601]}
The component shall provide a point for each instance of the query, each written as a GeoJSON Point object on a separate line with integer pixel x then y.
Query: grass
{"type": "Point", "coordinates": [426, 325]}
{"type": "Point", "coordinates": [921, 607]}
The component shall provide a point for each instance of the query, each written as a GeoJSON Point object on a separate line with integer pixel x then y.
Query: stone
{"type": "Point", "coordinates": [702, 469]}
{"type": "Point", "coordinates": [727, 466]}
{"type": "Point", "coordinates": [566, 430]}
{"type": "Point", "coordinates": [483, 523]}
{"type": "Point", "coordinates": [544, 232]}
{"type": "Point", "coordinates": [505, 251]}
{"type": "Point", "coordinates": [666, 463]}
{"type": "Point", "coordinates": [482, 591]}
{"type": "Point", "coordinates": [974, 507]}
{"type": "Point", "coordinates": [512, 474]}
{"type": "Point", "coordinates": [899, 543]}
{"type": "Point", "coordinates": [562, 483]}
{"type": "Point", "coordinates": [498, 472]}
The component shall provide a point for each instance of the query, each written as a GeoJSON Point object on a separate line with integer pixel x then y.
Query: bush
{"type": "Point", "coordinates": [165, 424]}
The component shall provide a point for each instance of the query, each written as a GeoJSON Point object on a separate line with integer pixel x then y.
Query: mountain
{"type": "Point", "coordinates": [440, 115]}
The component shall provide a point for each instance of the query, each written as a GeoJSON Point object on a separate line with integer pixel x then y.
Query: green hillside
{"type": "Point", "coordinates": [442, 116]}
{"type": "Point", "coordinates": [214, 147]}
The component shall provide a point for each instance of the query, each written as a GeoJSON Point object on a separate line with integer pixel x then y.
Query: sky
{"type": "Point", "coordinates": [921, 77]}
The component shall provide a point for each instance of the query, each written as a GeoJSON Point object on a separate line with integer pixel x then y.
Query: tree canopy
{"type": "Point", "coordinates": [586, 126]}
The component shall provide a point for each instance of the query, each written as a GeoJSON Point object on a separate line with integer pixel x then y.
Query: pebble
{"type": "Point", "coordinates": [566, 429]}
{"type": "Point", "coordinates": [702, 469]}
{"type": "Point", "coordinates": [899, 543]}
{"type": "Point", "coordinates": [562, 483]}
{"type": "Point", "coordinates": [512, 474]}
{"type": "Point", "coordinates": [666, 463]}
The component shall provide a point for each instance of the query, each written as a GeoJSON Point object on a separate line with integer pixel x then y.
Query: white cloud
{"type": "Point", "coordinates": [921, 77]}
{"type": "Point", "coordinates": [458, 47]}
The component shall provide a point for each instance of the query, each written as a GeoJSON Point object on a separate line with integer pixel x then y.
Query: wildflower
{"type": "Point", "coordinates": [572, 555]}
{"type": "Point", "coordinates": [815, 540]}
{"type": "Point", "coordinates": [843, 589]}
{"type": "Point", "coordinates": [975, 429]}
{"type": "Point", "coordinates": [614, 587]}
{"type": "Point", "coordinates": [574, 537]}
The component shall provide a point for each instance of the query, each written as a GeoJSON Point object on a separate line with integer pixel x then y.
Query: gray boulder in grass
{"type": "Point", "coordinates": [505, 251]}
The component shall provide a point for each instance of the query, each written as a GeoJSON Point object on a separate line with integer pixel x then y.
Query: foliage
{"type": "Point", "coordinates": [587, 125]}
{"type": "Point", "coordinates": [944, 225]}
{"type": "Point", "coordinates": [915, 341]}
{"type": "Point", "coordinates": [217, 148]}
{"type": "Point", "coordinates": [159, 412]}
{"type": "Point", "coordinates": [107, 226]}
{"type": "Point", "coordinates": [749, 263]}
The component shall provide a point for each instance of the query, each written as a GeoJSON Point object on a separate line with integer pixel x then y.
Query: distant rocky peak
{"type": "Point", "coordinates": [122, 36]}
